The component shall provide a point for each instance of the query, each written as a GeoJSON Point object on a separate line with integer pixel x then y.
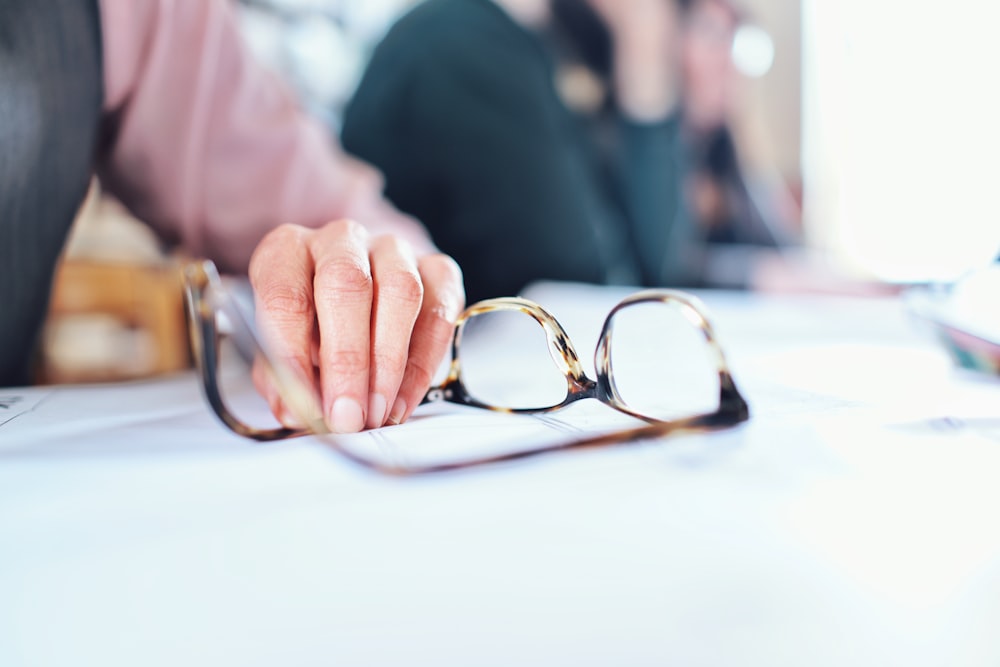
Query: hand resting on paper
{"type": "Point", "coordinates": [364, 316]}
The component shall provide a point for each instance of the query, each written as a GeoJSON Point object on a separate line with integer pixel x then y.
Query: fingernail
{"type": "Point", "coordinates": [346, 416]}
{"type": "Point", "coordinates": [398, 411]}
{"type": "Point", "coordinates": [376, 410]}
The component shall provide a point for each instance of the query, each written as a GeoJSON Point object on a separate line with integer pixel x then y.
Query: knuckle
{"type": "Point", "coordinates": [345, 274]}
{"type": "Point", "coordinates": [286, 233]}
{"type": "Point", "coordinates": [346, 362]}
{"type": "Point", "coordinates": [273, 244]}
{"type": "Point", "coordinates": [403, 286]}
{"type": "Point", "coordinates": [443, 273]}
{"type": "Point", "coordinates": [390, 360]}
{"type": "Point", "coordinates": [394, 245]}
{"type": "Point", "coordinates": [348, 227]}
{"type": "Point", "coordinates": [389, 242]}
{"type": "Point", "coordinates": [286, 300]}
{"type": "Point", "coordinates": [281, 236]}
{"type": "Point", "coordinates": [420, 374]}
{"type": "Point", "coordinates": [442, 267]}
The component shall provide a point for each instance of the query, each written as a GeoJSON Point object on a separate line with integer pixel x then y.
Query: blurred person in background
{"type": "Point", "coordinates": [581, 140]}
{"type": "Point", "coordinates": [161, 100]}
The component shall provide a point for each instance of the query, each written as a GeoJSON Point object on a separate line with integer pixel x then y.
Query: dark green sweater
{"type": "Point", "coordinates": [459, 110]}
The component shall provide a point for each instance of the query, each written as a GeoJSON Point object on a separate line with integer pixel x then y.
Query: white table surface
{"type": "Point", "coordinates": [845, 524]}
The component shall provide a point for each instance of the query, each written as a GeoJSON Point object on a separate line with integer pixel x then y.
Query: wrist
{"type": "Point", "coordinates": [645, 69]}
{"type": "Point", "coordinates": [645, 87]}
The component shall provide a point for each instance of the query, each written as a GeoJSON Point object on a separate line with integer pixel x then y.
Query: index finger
{"type": "Point", "coordinates": [280, 273]}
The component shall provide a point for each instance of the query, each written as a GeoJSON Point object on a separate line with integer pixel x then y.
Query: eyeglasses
{"type": "Point", "coordinates": [499, 349]}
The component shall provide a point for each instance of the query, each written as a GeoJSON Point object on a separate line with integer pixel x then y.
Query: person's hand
{"type": "Point", "coordinates": [362, 316]}
{"type": "Point", "coordinates": [634, 18]}
{"type": "Point", "coordinates": [709, 77]}
{"type": "Point", "coordinates": [646, 43]}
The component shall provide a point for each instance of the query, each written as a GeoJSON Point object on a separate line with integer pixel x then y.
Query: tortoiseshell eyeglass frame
{"type": "Point", "coordinates": [206, 297]}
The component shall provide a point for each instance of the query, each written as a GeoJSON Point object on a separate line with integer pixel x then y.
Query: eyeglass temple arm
{"type": "Point", "coordinates": [205, 347]}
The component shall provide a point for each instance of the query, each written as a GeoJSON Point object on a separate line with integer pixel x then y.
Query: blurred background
{"type": "Point", "coordinates": [301, 38]}
{"type": "Point", "coordinates": [876, 119]}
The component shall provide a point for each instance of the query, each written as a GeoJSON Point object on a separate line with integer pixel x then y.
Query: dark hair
{"type": "Point", "coordinates": [584, 33]}
{"type": "Point", "coordinates": [734, 7]}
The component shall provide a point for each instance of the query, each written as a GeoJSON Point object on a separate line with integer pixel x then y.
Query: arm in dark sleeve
{"type": "Point", "coordinates": [479, 149]}
{"type": "Point", "coordinates": [651, 169]}
{"type": "Point", "coordinates": [675, 249]}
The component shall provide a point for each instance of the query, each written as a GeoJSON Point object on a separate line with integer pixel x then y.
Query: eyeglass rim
{"type": "Point", "coordinates": [564, 355]}
{"type": "Point", "coordinates": [201, 277]}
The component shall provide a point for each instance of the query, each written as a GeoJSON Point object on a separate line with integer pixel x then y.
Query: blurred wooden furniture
{"type": "Point", "coordinates": [114, 321]}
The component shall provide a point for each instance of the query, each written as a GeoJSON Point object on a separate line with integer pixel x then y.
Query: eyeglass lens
{"type": "Point", "coordinates": [661, 365]}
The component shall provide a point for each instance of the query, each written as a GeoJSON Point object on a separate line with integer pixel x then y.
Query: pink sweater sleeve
{"type": "Point", "coordinates": [209, 148]}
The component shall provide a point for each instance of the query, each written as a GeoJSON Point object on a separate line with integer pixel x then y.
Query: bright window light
{"type": "Point", "coordinates": [901, 135]}
{"type": "Point", "coordinates": [753, 51]}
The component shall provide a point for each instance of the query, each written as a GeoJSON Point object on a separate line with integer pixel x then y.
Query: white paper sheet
{"type": "Point", "coordinates": [839, 526]}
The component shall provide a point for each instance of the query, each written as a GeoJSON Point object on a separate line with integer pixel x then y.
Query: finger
{"type": "Point", "coordinates": [432, 332]}
{"type": "Point", "coordinates": [398, 295]}
{"type": "Point", "coordinates": [343, 293]}
{"type": "Point", "coordinates": [280, 272]}
{"type": "Point", "coordinates": [265, 387]}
